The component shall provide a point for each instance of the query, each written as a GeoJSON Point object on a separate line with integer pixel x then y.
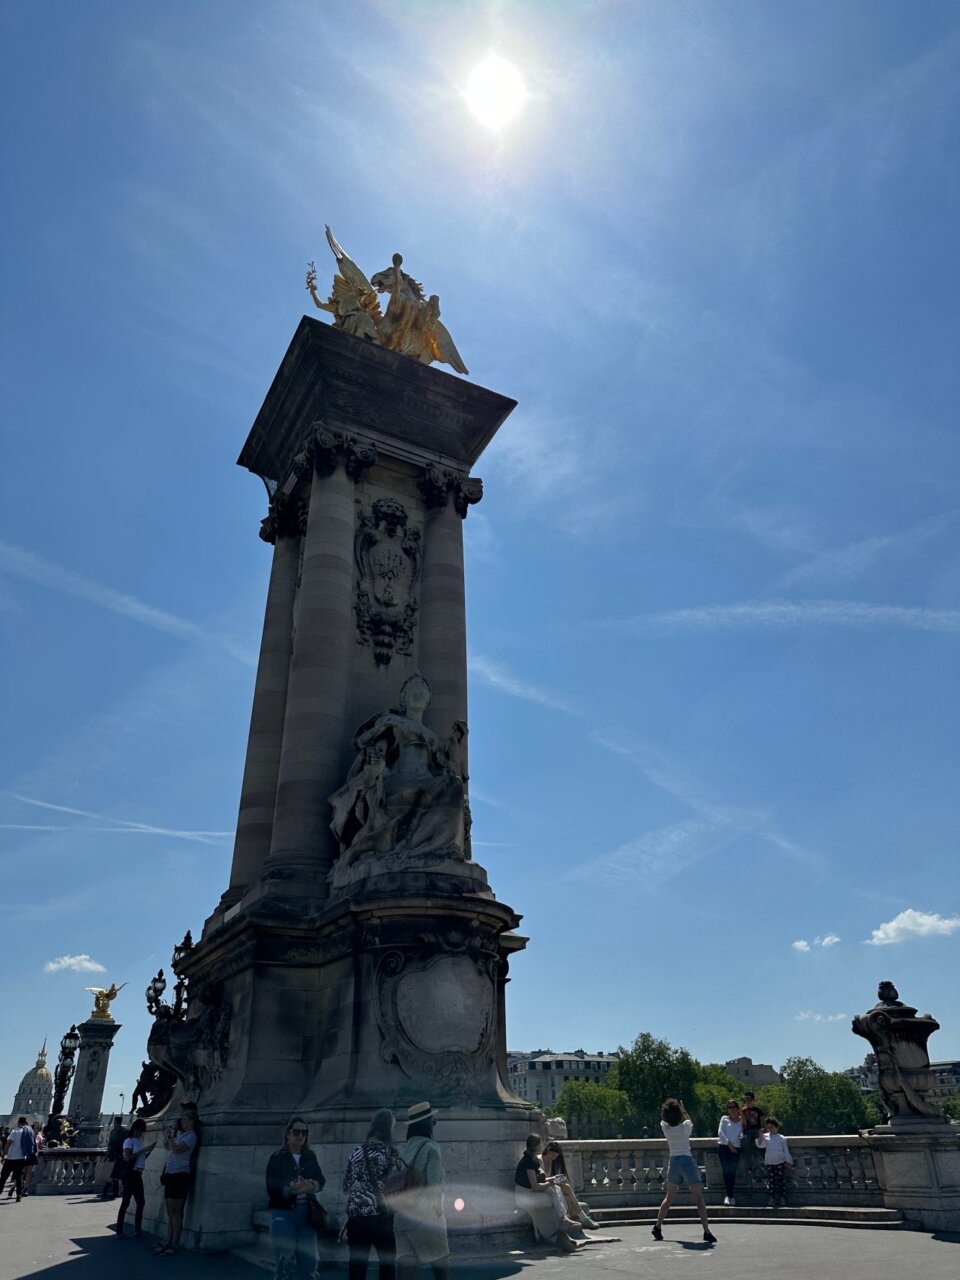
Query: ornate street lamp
{"type": "Point", "coordinates": [155, 989]}
{"type": "Point", "coordinates": [61, 1082]}
{"type": "Point", "coordinates": [181, 952]}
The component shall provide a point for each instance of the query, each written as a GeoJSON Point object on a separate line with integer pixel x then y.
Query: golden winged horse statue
{"type": "Point", "coordinates": [411, 324]}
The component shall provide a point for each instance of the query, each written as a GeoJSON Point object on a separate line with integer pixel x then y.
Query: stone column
{"type": "Point", "coordinates": [443, 623]}
{"type": "Point", "coordinates": [86, 1097]}
{"type": "Point", "coordinates": [258, 793]}
{"type": "Point", "coordinates": [302, 845]}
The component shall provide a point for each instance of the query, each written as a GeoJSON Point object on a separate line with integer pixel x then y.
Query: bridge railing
{"type": "Point", "coordinates": [827, 1170]}
{"type": "Point", "coordinates": [61, 1170]}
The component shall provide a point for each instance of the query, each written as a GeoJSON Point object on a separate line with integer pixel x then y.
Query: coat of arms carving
{"type": "Point", "coordinates": [387, 553]}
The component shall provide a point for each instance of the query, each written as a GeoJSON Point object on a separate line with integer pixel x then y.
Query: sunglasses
{"type": "Point", "coordinates": [299, 1133]}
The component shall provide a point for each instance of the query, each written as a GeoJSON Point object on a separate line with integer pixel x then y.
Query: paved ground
{"type": "Point", "coordinates": [66, 1238]}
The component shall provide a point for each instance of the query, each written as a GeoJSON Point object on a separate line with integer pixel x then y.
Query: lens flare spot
{"type": "Point", "coordinates": [459, 1205]}
{"type": "Point", "coordinates": [495, 92]}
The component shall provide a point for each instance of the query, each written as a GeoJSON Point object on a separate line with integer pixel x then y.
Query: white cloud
{"type": "Point", "coordinates": [808, 1015]}
{"type": "Point", "coordinates": [827, 940]}
{"type": "Point", "coordinates": [778, 615]}
{"type": "Point", "coordinates": [78, 964]}
{"type": "Point", "coordinates": [119, 824]}
{"type": "Point", "coordinates": [856, 558]}
{"type": "Point", "coordinates": [498, 677]}
{"type": "Point", "coordinates": [19, 562]}
{"type": "Point", "coordinates": [912, 924]}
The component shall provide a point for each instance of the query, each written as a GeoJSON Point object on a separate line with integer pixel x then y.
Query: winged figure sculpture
{"type": "Point", "coordinates": [411, 324]}
{"type": "Point", "coordinates": [102, 997]}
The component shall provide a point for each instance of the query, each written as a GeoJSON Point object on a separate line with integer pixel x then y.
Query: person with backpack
{"type": "Point", "coordinates": [420, 1227]}
{"type": "Point", "coordinates": [373, 1171]}
{"type": "Point", "coordinates": [19, 1147]}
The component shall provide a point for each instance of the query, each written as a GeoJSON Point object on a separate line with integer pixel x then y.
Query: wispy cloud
{"type": "Point", "coordinates": [78, 964]}
{"type": "Point", "coordinates": [119, 825]}
{"type": "Point", "coordinates": [19, 562]}
{"type": "Point", "coordinates": [808, 1015]}
{"type": "Point", "coordinates": [856, 558]}
{"type": "Point", "coordinates": [497, 676]}
{"type": "Point", "coordinates": [827, 940]}
{"type": "Point", "coordinates": [912, 924]}
{"type": "Point", "coordinates": [781, 615]}
{"type": "Point", "coordinates": [657, 856]}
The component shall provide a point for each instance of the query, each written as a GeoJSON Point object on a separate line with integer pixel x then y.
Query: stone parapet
{"type": "Point", "coordinates": [919, 1174]}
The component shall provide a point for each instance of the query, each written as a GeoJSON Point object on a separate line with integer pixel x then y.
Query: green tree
{"type": "Point", "coordinates": [605, 1107]}
{"type": "Point", "coordinates": [952, 1107]}
{"type": "Point", "coordinates": [814, 1100]}
{"type": "Point", "coordinates": [650, 1071]}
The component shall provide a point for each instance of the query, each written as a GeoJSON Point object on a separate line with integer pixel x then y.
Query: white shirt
{"type": "Point", "coordinates": [179, 1161]}
{"type": "Point", "coordinates": [775, 1148]}
{"type": "Point", "coordinates": [16, 1151]}
{"type": "Point", "coordinates": [730, 1132]}
{"type": "Point", "coordinates": [678, 1137]}
{"type": "Point", "coordinates": [136, 1146]}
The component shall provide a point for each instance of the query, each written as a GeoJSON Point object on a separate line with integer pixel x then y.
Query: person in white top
{"type": "Point", "coordinates": [18, 1147]}
{"type": "Point", "coordinates": [776, 1157]}
{"type": "Point", "coordinates": [682, 1169]}
{"type": "Point", "coordinates": [134, 1159]}
{"type": "Point", "coordinates": [728, 1136]}
{"type": "Point", "coordinates": [181, 1146]}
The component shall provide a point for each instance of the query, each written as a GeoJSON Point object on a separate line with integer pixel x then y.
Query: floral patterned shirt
{"type": "Point", "coordinates": [369, 1166]}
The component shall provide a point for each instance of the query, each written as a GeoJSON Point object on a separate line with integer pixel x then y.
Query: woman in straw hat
{"type": "Point", "coordinates": [420, 1226]}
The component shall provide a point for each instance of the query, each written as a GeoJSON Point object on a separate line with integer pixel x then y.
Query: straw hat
{"type": "Point", "coordinates": [420, 1111]}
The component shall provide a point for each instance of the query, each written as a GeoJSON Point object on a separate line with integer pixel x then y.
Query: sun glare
{"type": "Point", "coordinates": [495, 92]}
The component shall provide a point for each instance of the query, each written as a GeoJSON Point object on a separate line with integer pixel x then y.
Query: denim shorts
{"type": "Point", "coordinates": [683, 1170]}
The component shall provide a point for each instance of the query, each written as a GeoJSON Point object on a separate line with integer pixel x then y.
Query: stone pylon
{"type": "Point", "coordinates": [358, 957]}
{"type": "Point", "coordinates": [86, 1095]}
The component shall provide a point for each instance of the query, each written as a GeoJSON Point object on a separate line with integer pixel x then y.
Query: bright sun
{"type": "Point", "coordinates": [495, 92]}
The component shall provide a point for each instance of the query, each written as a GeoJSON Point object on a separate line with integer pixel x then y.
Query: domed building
{"type": "Point", "coordinates": [35, 1095]}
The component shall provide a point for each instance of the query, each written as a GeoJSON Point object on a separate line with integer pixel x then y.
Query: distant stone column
{"type": "Point", "coordinates": [302, 845]}
{"type": "Point", "coordinates": [259, 790]}
{"type": "Point", "coordinates": [86, 1097]}
{"type": "Point", "coordinates": [443, 628]}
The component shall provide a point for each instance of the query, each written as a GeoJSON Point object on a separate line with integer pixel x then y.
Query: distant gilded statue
{"type": "Point", "coordinates": [102, 999]}
{"type": "Point", "coordinates": [406, 790]}
{"type": "Point", "coordinates": [411, 324]}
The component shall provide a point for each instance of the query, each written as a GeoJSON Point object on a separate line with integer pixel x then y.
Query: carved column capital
{"type": "Point", "coordinates": [437, 486]}
{"type": "Point", "coordinates": [466, 494]}
{"type": "Point", "coordinates": [324, 450]}
{"type": "Point", "coordinates": [282, 519]}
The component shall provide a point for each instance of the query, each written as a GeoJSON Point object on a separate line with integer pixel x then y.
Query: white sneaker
{"type": "Point", "coordinates": [726, 1199]}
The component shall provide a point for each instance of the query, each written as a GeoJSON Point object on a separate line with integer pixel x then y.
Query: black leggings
{"type": "Point", "coordinates": [132, 1190]}
{"type": "Point", "coordinates": [728, 1167]}
{"type": "Point", "coordinates": [364, 1231]}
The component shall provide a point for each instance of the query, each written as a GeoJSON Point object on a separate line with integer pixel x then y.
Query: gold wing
{"type": "Point", "coordinates": [348, 268]}
{"type": "Point", "coordinates": [444, 348]}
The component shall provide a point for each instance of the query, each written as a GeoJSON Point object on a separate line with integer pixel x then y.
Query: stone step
{"type": "Point", "coordinates": [813, 1215]}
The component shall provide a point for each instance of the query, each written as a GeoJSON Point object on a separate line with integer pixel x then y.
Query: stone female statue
{"type": "Point", "coordinates": [405, 792]}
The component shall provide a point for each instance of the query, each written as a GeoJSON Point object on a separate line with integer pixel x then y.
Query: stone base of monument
{"type": "Point", "coordinates": [918, 1169]}
{"type": "Point", "coordinates": [370, 1002]}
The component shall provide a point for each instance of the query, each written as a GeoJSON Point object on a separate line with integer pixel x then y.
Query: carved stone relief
{"type": "Point", "coordinates": [388, 554]}
{"type": "Point", "coordinates": [437, 486]}
{"type": "Point", "coordinates": [436, 1008]}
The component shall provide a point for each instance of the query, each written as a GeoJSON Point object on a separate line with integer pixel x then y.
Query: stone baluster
{"type": "Point", "coordinates": [312, 753]}
{"type": "Point", "coordinates": [258, 791]}
{"type": "Point", "coordinates": [709, 1162]}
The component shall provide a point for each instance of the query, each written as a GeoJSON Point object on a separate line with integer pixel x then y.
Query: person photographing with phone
{"type": "Point", "coordinates": [682, 1169]}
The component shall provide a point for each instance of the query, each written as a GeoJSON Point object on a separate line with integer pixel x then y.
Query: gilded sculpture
{"type": "Point", "coordinates": [411, 324]}
{"type": "Point", "coordinates": [102, 999]}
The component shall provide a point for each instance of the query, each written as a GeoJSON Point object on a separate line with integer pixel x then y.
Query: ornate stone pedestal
{"type": "Point", "coordinates": [358, 958]}
{"type": "Point", "coordinates": [919, 1173]}
{"type": "Point", "coordinates": [86, 1096]}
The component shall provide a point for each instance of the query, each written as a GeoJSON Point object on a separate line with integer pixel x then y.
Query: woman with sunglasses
{"type": "Point", "coordinates": [293, 1177]}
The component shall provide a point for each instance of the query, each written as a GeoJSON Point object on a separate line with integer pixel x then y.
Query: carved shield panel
{"type": "Point", "coordinates": [387, 554]}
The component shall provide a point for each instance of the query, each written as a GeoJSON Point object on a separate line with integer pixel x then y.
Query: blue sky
{"type": "Point", "coordinates": [713, 588]}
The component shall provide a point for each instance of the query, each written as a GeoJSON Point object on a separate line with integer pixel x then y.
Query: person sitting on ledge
{"type": "Point", "coordinates": [554, 1166]}
{"type": "Point", "coordinates": [539, 1197]}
